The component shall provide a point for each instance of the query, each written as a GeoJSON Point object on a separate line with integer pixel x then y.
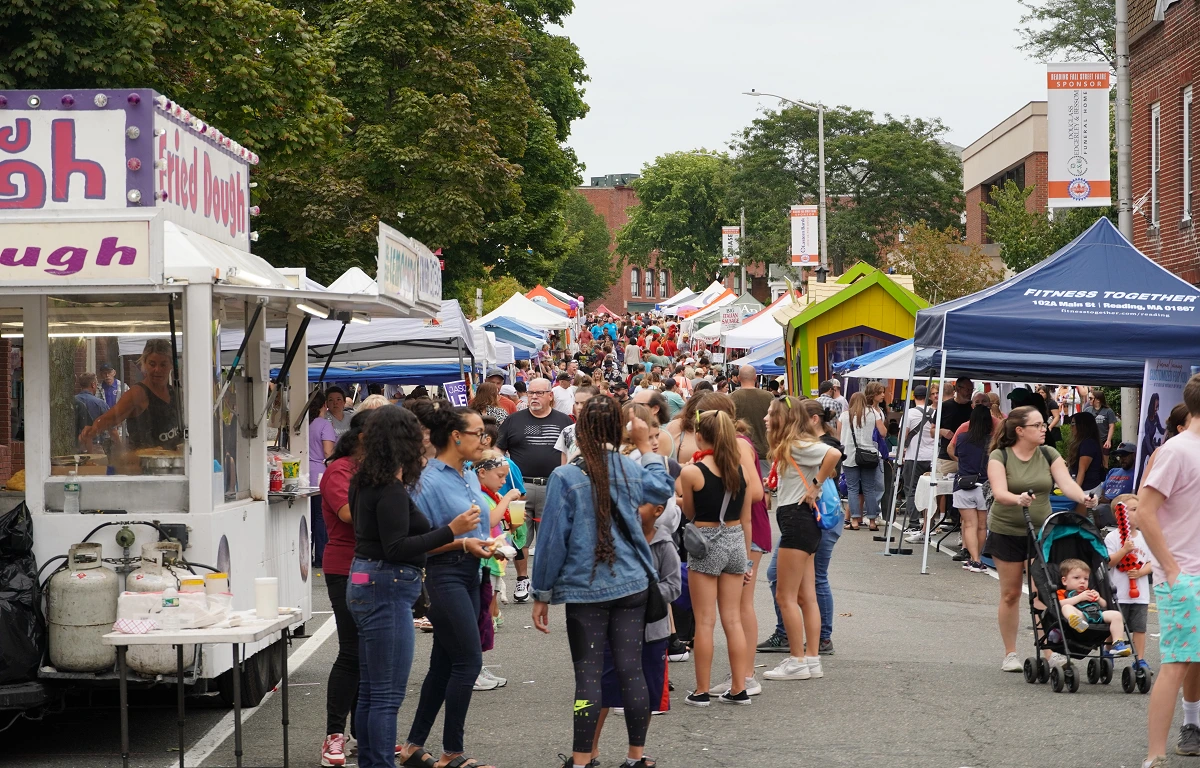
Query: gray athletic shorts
{"type": "Point", "coordinates": [726, 551]}
{"type": "Point", "coordinates": [1135, 616]}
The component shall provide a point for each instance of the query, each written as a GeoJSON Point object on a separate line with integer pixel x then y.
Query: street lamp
{"type": "Point", "coordinates": [822, 270]}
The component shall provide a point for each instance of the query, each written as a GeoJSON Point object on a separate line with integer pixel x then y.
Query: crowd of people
{"type": "Point", "coordinates": [638, 479]}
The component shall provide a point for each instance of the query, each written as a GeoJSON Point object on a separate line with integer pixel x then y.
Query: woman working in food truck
{"type": "Point", "coordinates": [149, 409]}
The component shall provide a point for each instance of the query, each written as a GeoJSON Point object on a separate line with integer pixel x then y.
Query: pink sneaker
{"type": "Point", "coordinates": [333, 751]}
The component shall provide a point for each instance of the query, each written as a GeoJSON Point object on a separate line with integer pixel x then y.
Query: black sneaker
{"type": "Point", "coordinates": [741, 698]}
{"type": "Point", "coordinates": [698, 699]}
{"type": "Point", "coordinates": [825, 648]}
{"type": "Point", "coordinates": [776, 643]}
{"type": "Point", "coordinates": [963, 556]}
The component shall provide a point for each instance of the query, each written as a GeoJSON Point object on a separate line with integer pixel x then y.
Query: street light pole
{"type": "Point", "coordinates": [823, 270]}
{"type": "Point", "coordinates": [741, 243]}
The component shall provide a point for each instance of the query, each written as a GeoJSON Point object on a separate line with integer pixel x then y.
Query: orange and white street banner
{"type": "Point", "coordinates": [730, 246]}
{"type": "Point", "coordinates": [805, 251]}
{"type": "Point", "coordinates": [1078, 146]}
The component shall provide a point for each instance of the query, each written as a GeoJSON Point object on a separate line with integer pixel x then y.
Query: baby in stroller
{"type": "Point", "coordinates": [1083, 608]}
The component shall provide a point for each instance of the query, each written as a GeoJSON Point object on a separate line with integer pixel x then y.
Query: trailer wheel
{"type": "Point", "coordinates": [260, 673]}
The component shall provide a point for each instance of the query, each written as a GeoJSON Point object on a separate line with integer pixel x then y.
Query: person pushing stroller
{"type": "Point", "coordinates": [1084, 608]}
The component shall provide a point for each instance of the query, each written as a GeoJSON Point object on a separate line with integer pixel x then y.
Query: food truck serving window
{"type": "Point", "coordinates": [116, 405]}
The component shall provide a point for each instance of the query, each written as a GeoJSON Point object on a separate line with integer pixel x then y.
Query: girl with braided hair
{"type": "Point", "coordinates": [593, 558]}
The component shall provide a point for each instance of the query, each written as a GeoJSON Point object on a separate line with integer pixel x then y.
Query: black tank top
{"type": "Point", "coordinates": [708, 499]}
{"type": "Point", "coordinates": [158, 425]}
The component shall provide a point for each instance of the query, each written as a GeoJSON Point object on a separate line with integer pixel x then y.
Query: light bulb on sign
{"type": "Point", "coordinates": [254, 237]}
{"type": "Point", "coordinates": [132, 132]}
{"type": "Point", "coordinates": [133, 164]}
{"type": "Point", "coordinates": [68, 100]}
{"type": "Point", "coordinates": [134, 196]}
{"type": "Point", "coordinates": [34, 101]}
{"type": "Point", "coordinates": [3, 102]}
{"type": "Point", "coordinates": [134, 99]}
{"type": "Point", "coordinates": [254, 210]}
{"type": "Point", "coordinates": [100, 100]}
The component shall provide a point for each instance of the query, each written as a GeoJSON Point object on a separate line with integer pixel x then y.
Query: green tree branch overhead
{"type": "Point", "coordinates": [588, 269]}
{"type": "Point", "coordinates": [1027, 237]}
{"type": "Point", "coordinates": [1070, 30]}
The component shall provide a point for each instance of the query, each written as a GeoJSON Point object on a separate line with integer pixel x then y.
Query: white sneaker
{"type": "Point", "coordinates": [521, 593]}
{"type": "Point", "coordinates": [485, 683]}
{"type": "Point", "coordinates": [814, 667]}
{"type": "Point", "coordinates": [617, 711]}
{"type": "Point", "coordinates": [790, 668]}
{"type": "Point", "coordinates": [1011, 663]}
{"type": "Point", "coordinates": [914, 537]}
{"type": "Point", "coordinates": [500, 681]}
{"type": "Point", "coordinates": [721, 687]}
{"type": "Point", "coordinates": [503, 592]}
{"type": "Point", "coordinates": [753, 687]}
{"type": "Point", "coordinates": [1058, 660]}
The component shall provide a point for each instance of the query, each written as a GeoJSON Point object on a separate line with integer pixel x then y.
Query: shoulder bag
{"type": "Point", "coordinates": [694, 541]}
{"type": "Point", "coordinates": [828, 510]}
{"type": "Point", "coordinates": [865, 457]}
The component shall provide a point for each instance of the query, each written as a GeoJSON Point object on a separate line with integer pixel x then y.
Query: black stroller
{"type": "Point", "coordinates": [1067, 535]}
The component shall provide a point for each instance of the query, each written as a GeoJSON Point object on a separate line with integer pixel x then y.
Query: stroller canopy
{"type": "Point", "coordinates": [1069, 534]}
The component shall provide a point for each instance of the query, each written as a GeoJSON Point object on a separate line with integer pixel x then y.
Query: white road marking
{"type": "Point", "coordinates": [223, 730]}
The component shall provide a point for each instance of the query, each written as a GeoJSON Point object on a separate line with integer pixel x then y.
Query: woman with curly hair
{"type": "Point", "coordinates": [593, 557]}
{"type": "Point", "coordinates": [391, 539]}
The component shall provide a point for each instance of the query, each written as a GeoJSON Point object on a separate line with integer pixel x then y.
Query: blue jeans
{"type": "Point", "coordinates": [452, 580]}
{"type": "Point", "coordinates": [824, 593]}
{"type": "Point", "coordinates": [868, 482]}
{"type": "Point", "coordinates": [382, 609]}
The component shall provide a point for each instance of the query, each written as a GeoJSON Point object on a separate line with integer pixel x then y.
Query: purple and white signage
{"type": "Point", "coordinates": [91, 149]}
{"type": "Point", "coordinates": [101, 248]}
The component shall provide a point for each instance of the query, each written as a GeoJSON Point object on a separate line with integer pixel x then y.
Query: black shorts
{"type": "Point", "coordinates": [798, 528]}
{"type": "Point", "coordinates": [1010, 549]}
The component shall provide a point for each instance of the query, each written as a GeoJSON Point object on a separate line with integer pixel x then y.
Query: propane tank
{"type": "Point", "coordinates": [81, 606]}
{"type": "Point", "coordinates": [154, 575]}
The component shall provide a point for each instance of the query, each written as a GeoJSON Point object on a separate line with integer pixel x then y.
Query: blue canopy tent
{"type": "Point", "coordinates": [854, 363]}
{"type": "Point", "coordinates": [417, 373]}
{"type": "Point", "coordinates": [516, 333]}
{"type": "Point", "coordinates": [1097, 294]}
{"type": "Point", "coordinates": [763, 358]}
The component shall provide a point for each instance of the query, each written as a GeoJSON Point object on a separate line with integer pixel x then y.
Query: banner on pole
{"type": "Point", "coordinates": [1162, 390]}
{"type": "Point", "coordinates": [731, 246]}
{"type": "Point", "coordinates": [805, 251]}
{"type": "Point", "coordinates": [457, 393]}
{"type": "Point", "coordinates": [1078, 144]}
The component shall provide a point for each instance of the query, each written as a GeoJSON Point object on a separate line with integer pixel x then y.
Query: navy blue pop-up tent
{"type": "Point", "coordinates": [1071, 317]}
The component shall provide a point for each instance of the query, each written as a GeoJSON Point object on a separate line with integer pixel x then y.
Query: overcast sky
{"type": "Point", "coordinates": [668, 75]}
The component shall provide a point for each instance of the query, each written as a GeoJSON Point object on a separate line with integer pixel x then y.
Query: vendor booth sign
{"type": "Point", "coordinates": [115, 248]}
{"type": "Point", "coordinates": [1162, 390]}
{"type": "Point", "coordinates": [133, 148]}
{"type": "Point", "coordinates": [1077, 125]}
{"type": "Point", "coordinates": [805, 252]}
{"type": "Point", "coordinates": [407, 270]}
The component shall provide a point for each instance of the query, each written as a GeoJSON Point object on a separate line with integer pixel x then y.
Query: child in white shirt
{"type": "Point", "coordinates": [1125, 583]}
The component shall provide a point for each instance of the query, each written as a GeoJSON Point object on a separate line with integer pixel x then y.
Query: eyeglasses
{"type": "Point", "coordinates": [478, 433]}
{"type": "Point", "coordinates": [1035, 425]}
{"type": "Point", "coordinates": [534, 392]}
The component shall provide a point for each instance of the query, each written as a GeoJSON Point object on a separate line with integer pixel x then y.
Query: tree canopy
{"type": "Point", "coordinates": [1071, 30]}
{"type": "Point", "coordinates": [588, 269]}
{"type": "Point", "coordinates": [1027, 237]}
{"type": "Point", "coordinates": [942, 265]}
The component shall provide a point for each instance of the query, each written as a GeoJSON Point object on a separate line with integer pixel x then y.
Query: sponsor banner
{"type": "Point", "coordinates": [805, 250]}
{"type": "Point", "coordinates": [1162, 390]}
{"type": "Point", "coordinates": [1078, 135]}
{"type": "Point", "coordinates": [118, 249]}
{"type": "Point", "coordinates": [458, 393]}
{"type": "Point", "coordinates": [730, 246]}
{"type": "Point", "coordinates": [1168, 306]}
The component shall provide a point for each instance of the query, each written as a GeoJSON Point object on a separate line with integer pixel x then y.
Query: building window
{"type": "Point", "coordinates": [663, 288]}
{"type": "Point", "coordinates": [649, 283]}
{"type": "Point", "coordinates": [635, 285]}
{"type": "Point", "coordinates": [1187, 153]}
{"type": "Point", "coordinates": [1155, 160]}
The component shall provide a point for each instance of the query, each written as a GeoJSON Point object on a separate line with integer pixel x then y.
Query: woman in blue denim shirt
{"type": "Point", "coordinates": [452, 577]}
{"type": "Point", "coordinates": [391, 539]}
{"type": "Point", "coordinates": [585, 561]}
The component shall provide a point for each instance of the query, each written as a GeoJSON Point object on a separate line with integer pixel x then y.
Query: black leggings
{"type": "Point", "coordinates": [341, 695]}
{"type": "Point", "coordinates": [621, 624]}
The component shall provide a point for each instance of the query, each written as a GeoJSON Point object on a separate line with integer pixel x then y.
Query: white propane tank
{"type": "Point", "coordinates": [81, 606]}
{"type": "Point", "coordinates": [154, 575]}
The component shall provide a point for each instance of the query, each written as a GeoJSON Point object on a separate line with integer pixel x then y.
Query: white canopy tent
{"type": "Point", "coordinates": [758, 330]}
{"type": "Point", "coordinates": [710, 332]}
{"type": "Point", "coordinates": [525, 311]}
{"type": "Point", "coordinates": [677, 300]}
{"type": "Point", "coordinates": [893, 366]}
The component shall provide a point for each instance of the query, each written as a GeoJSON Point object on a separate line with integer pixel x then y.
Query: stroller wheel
{"type": "Point", "coordinates": [1043, 669]}
{"type": "Point", "coordinates": [1030, 670]}
{"type": "Point", "coordinates": [1106, 671]}
{"type": "Point", "coordinates": [1143, 680]}
{"type": "Point", "coordinates": [1093, 671]}
{"type": "Point", "coordinates": [1056, 679]}
{"type": "Point", "coordinates": [1128, 684]}
{"type": "Point", "coordinates": [1070, 677]}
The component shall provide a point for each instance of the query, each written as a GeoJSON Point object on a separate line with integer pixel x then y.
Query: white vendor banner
{"type": "Point", "coordinates": [1078, 140]}
{"type": "Point", "coordinates": [805, 251]}
{"type": "Point", "coordinates": [730, 246]}
{"type": "Point", "coordinates": [730, 319]}
{"type": "Point", "coordinates": [1162, 390]}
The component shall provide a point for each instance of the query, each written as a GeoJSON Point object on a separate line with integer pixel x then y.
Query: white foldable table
{"type": "Point", "coordinates": [249, 632]}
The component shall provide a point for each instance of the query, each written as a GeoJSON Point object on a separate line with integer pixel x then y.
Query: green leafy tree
{"type": "Point", "coordinates": [880, 176]}
{"type": "Point", "coordinates": [682, 209]}
{"type": "Point", "coordinates": [1027, 237]}
{"type": "Point", "coordinates": [1071, 30]}
{"type": "Point", "coordinates": [497, 289]}
{"type": "Point", "coordinates": [942, 265]}
{"type": "Point", "coordinates": [588, 270]}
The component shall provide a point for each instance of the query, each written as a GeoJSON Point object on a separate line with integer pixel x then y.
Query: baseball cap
{"type": "Point", "coordinates": [508, 389]}
{"type": "Point", "coordinates": [836, 382]}
{"type": "Point", "coordinates": [920, 392]}
{"type": "Point", "coordinates": [106, 367]}
{"type": "Point", "coordinates": [495, 372]}
{"type": "Point", "coordinates": [1124, 448]}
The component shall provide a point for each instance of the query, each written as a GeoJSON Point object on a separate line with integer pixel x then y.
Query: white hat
{"type": "Point", "coordinates": [836, 382]}
{"type": "Point", "coordinates": [690, 361]}
{"type": "Point", "coordinates": [508, 389]}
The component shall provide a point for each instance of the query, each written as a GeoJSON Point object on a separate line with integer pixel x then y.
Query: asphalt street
{"type": "Point", "coordinates": [915, 682]}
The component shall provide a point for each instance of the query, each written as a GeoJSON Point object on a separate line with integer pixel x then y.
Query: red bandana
{"type": "Point", "coordinates": [698, 456]}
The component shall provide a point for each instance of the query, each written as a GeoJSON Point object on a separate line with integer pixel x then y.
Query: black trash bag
{"type": "Point", "coordinates": [22, 632]}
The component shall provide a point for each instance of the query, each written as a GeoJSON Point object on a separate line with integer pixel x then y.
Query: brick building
{"type": "Point", "coordinates": [1164, 69]}
{"type": "Point", "coordinates": [1015, 149]}
{"type": "Point", "coordinates": [638, 288]}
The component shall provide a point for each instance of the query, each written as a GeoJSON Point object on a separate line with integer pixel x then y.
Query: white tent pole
{"type": "Point", "coordinates": [899, 475]}
{"type": "Point", "coordinates": [933, 474]}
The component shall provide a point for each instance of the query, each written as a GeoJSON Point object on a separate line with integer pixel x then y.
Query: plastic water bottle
{"type": "Point", "coordinates": [71, 494]}
{"type": "Point", "coordinates": [169, 618]}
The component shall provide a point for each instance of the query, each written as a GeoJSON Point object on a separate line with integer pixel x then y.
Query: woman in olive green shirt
{"type": "Point", "coordinates": [1022, 472]}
